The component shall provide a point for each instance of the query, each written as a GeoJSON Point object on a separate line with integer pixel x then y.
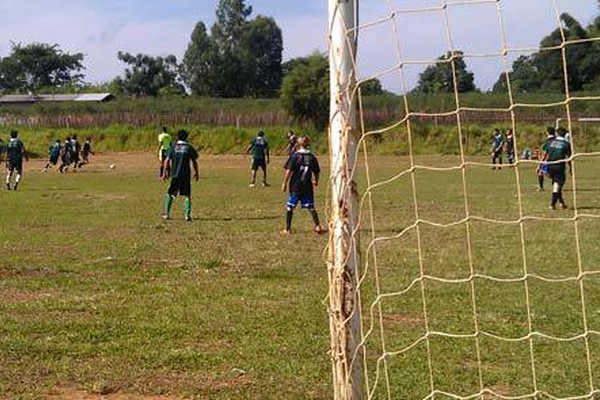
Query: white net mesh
{"type": "Point", "coordinates": [470, 287]}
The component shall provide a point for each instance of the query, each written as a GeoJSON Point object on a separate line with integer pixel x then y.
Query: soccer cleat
{"type": "Point", "coordinates": [15, 187]}
{"type": "Point", "coordinates": [552, 207]}
{"type": "Point", "coordinates": [265, 184]}
{"type": "Point", "coordinates": [540, 189]}
{"type": "Point", "coordinates": [188, 218]}
{"type": "Point", "coordinates": [564, 206]}
{"type": "Point", "coordinates": [285, 232]}
{"type": "Point", "coordinates": [319, 230]}
{"type": "Point", "coordinates": [165, 217]}
{"type": "Point", "coordinates": [251, 185]}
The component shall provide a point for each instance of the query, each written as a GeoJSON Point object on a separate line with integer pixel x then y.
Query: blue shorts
{"type": "Point", "coordinates": [544, 168]}
{"type": "Point", "coordinates": [306, 200]}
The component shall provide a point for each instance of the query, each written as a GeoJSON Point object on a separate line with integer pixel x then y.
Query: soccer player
{"type": "Point", "coordinates": [291, 142]}
{"type": "Point", "coordinates": [558, 151]}
{"type": "Point", "coordinates": [164, 144]}
{"type": "Point", "coordinates": [66, 156]}
{"type": "Point", "coordinates": [75, 152]}
{"type": "Point", "coordinates": [260, 156]}
{"type": "Point", "coordinates": [301, 176]}
{"type": "Point", "coordinates": [509, 146]}
{"type": "Point", "coordinates": [15, 152]}
{"type": "Point", "coordinates": [178, 160]}
{"type": "Point", "coordinates": [542, 169]}
{"type": "Point", "coordinates": [496, 150]}
{"type": "Point", "coordinates": [85, 152]}
{"type": "Point", "coordinates": [53, 153]}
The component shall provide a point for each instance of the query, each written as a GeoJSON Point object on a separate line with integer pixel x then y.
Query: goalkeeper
{"type": "Point", "coordinates": [556, 154]}
{"type": "Point", "coordinates": [301, 176]}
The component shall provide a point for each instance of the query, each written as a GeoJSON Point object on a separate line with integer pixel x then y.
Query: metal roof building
{"type": "Point", "coordinates": [30, 98]}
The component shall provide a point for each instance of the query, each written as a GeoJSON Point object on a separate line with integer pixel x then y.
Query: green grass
{"type": "Point", "coordinates": [99, 295]}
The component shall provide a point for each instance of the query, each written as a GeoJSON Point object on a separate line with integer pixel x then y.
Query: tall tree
{"type": "Point", "coordinates": [305, 90]}
{"type": "Point", "coordinates": [439, 78]}
{"type": "Point", "coordinates": [240, 57]}
{"type": "Point", "coordinates": [39, 65]}
{"type": "Point", "coordinates": [543, 71]}
{"type": "Point", "coordinates": [228, 34]}
{"type": "Point", "coordinates": [149, 76]}
{"type": "Point", "coordinates": [197, 67]}
{"type": "Point", "coordinates": [264, 46]}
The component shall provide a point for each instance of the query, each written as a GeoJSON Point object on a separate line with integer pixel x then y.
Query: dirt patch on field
{"type": "Point", "coordinates": [13, 295]}
{"type": "Point", "coordinates": [74, 394]}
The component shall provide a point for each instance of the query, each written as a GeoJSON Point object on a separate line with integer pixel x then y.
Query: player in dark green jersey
{"type": "Point", "coordinates": [556, 154]}
{"type": "Point", "coordinates": [260, 157]}
{"type": "Point", "coordinates": [496, 150]}
{"type": "Point", "coordinates": [15, 153]}
{"type": "Point", "coordinates": [53, 154]}
{"type": "Point", "coordinates": [301, 176]}
{"type": "Point", "coordinates": [542, 169]}
{"type": "Point", "coordinates": [509, 146]}
{"type": "Point", "coordinates": [86, 150]}
{"type": "Point", "coordinates": [177, 162]}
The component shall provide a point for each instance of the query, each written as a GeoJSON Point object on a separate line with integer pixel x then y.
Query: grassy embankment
{"type": "Point", "coordinates": [225, 126]}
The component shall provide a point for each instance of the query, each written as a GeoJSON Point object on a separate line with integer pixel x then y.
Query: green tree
{"type": "Point", "coordinates": [149, 76]}
{"type": "Point", "coordinates": [305, 90]}
{"type": "Point", "coordinates": [371, 87]}
{"type": "Point", "coordinates": [240, 57]}
{"type": "Point", "coordinates": [264, 46]}
{"type": "Point", "coordinates": [197, 67]}
{"type": "Point", "coordinates": [543, 71]}
{"type": "Point", "coordinates": [36, 66]}
{"type": "Point", "coordinates": [439, 78]}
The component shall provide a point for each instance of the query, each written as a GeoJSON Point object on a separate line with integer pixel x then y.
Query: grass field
{"type": "Point", "coordinates": [100, 297]}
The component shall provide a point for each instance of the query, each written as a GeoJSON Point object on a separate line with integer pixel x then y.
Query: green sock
{"type": "Point", "coordinates": [187, 205]}
{"type": "Point", "coordinates": [168, 204]}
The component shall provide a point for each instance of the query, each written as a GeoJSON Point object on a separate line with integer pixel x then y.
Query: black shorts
{"type": "Point", "coordinates": [259, 163]}
{"type": "Point", "coordinates": [163, 154]}
{"type": "Point", "coordinates": [180, 186]}
{"type": "Point", "coordinates": [557, 173]}
{"type": "Point", "coordinates": [53, 160]}
{"type": "Point", "coordinates": [15, 167]}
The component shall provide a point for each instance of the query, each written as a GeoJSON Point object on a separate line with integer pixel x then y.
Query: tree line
{"type": "Point", "coordinates": [240, 56]}
{"type": "Point", "coordinates": [540, 72]}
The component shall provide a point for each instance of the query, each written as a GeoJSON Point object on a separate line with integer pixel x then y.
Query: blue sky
{"type": "Point", "coordinates": [101, 28]}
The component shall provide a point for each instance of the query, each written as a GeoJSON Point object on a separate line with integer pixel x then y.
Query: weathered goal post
{"type": "Point", "coordinates": [343, 262]}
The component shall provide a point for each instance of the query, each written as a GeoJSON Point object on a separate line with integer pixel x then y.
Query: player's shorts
{"type": "Point", "coordinates": [306, 200]}
{"type": "Point", "coordinates": [162, 154]}
{"type": "Point", "coordinates": [544, 168]}
{"type": "Point", "coordinates": [53, 159]}
{"type": "Point", "coordinates": [259, 164]}
{"type": "Point", "coordinates": [557, 173]}
{"type": "Point", "coordinates": [180, 186]}
{"type": "Point", "coordinates": [496, 154]}
{"type": "Point", "coordinates": [17, 167]}
{"type": "Point", "coordinates": [66, 158]}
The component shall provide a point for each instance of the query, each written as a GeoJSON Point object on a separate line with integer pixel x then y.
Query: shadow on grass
{"type": "Point", "coordinates": [234, 219]}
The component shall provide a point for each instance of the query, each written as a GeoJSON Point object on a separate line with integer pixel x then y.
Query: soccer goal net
{"type": "Point", "coordinates": [450, 277]}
